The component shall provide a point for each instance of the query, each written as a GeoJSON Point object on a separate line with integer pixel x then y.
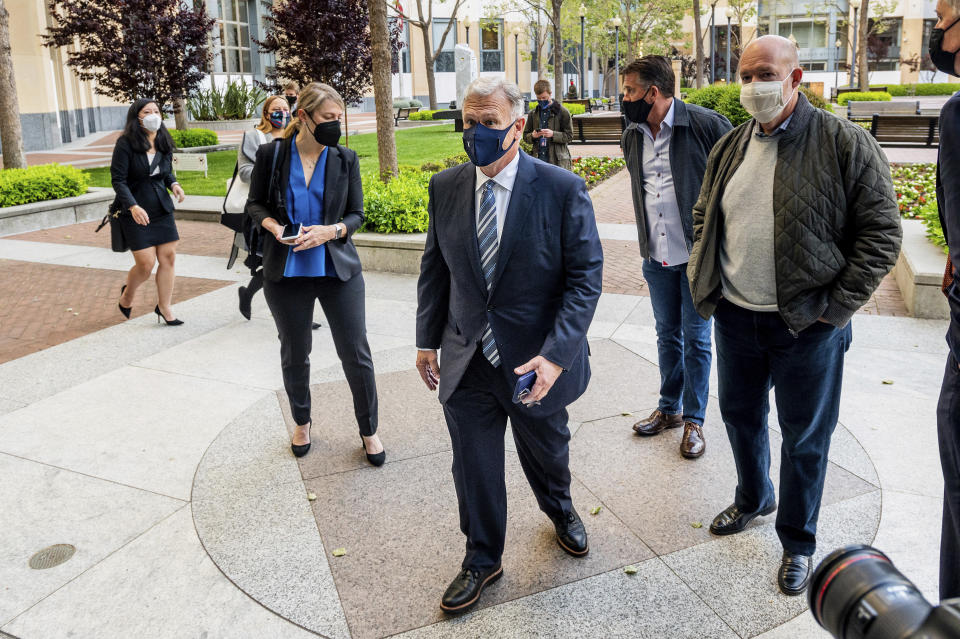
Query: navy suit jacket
{"type": "Point", "coordinates": [948, 200]}
{"type": "Point", "coordinates": [546, 285]}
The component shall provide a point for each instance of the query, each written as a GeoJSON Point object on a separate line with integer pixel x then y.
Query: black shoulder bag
{"type": "Point", "coordinates": [117, 242]}
{"type": "Point", "coordinates": [252, 231]}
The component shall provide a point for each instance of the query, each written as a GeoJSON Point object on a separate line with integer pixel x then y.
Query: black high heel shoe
{"type": "Point", "coordinates": [173, 322]}
{"type": "Point", "coordinates": [301, 450]}
{"type": "Point", "coordinates": [124, 309]}
{"type": "Point", "coordinates": [376, 459]}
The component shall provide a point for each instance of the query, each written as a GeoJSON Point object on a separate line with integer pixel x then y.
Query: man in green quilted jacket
{"type": "Point", "coordinates": [795, 226]}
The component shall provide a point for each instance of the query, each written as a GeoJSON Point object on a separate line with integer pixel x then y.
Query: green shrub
{"type": "Point", "coordinates": [725, 100]}
{"type": "Point", "coordinates": [416, 103]}
{"type": "Point", "coordinates": [456, 160]}
{"type": "Point", "coordinates": [431, 167]}
{"type": "Point", "coordinates": [817, 101]}
{"type": "Point", "coordinates": [187, 138]}
{"type": "Point", "coordinates": [399, 206]}
{"type": "Point", "coordinates": [859, 96]}
{"type": "Point", "coordinates": [729, 105]}
{"type": "Point", "coordinates": [40, 183]}
{"type": "Point", "coordinates": [236, 100]}
{"type": "Point", "coordinates": [901, 90]}
{"type": "Point", "coordinates": [575, 109]}
{"type": "Point", "coordinates": [605, 100]}
{"type": "Point", "coordinates": [707, 97]}
{"type": "Point", "coordinates": [423, 114]}
{"type": "Point", "coordinates": [401, 103]}
{"type": "Point", "coordinates": [939, 88]}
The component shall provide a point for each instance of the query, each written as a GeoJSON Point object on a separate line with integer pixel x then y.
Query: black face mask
{"type": "Point", "coordinates": [943, 60]}
{"type": "Point", "coordinates": [327, 133]}
{"type": "Point", "coordinates": [291, 100]}
{"type": "Point", "coordinates": [638, 110]}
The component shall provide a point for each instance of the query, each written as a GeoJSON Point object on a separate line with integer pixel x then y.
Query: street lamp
{"type": "Point", "coordinates": [516, 50]}
{"type": "Point", "coordinates": [730, 13]}
{"type": "Point", "coordinates": [713, 41]}
{"type": "Point", "coordinates": [836, 65]}
{"type": "Point", "coordinates": [467, 26]}
{"type": "Point", "coordinates": [582, 12]}
{"type": "Point", "coordinates": [616, 56]}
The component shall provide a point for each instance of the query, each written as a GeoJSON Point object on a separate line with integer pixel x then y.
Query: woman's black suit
{"type": "Point", "coordinates": [137, 182]}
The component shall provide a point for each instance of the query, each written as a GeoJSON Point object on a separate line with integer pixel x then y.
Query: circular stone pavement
{"type": "Point", "coordinates": [347, 550]}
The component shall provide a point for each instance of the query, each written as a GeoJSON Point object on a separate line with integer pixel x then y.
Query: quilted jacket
{"type": "Point", "coordinates": [836, 220]}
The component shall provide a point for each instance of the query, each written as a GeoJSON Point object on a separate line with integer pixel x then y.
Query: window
{"type": "Point", "coordinates": [534, 38]}
{"type": "Point", "coordinates": [491, 46]}
{"type": "Point", "coordinates": [234, 30]}
{"type": "Point", "coordinates": [404, 53]}
{"type": "Point", "coordinates": [444, 61]}
{"type": "Point", "coordinates": [883, 44]}
{"type": "Point", "coordinates": [810, 34]}
{"type": "Point", "coordinates": [925, 63]}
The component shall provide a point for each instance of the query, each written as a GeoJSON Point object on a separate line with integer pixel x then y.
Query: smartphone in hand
{"type": "Point", "coordinates": [290, 232]}
{"type": "Point", "coordinates": [524, 385]}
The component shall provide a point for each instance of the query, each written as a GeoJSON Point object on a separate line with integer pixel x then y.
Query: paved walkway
{"type": "Point", "coordinates": [162, 455]}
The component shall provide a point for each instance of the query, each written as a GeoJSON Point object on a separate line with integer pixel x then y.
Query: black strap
{"type": "Point", "coordinates": [273, 166]}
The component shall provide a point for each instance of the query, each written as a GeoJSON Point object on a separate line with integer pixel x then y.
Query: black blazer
{"type": "Point", "coordinates": [130, 175]}
{"type": "Point", "coordinates": [342, 202]}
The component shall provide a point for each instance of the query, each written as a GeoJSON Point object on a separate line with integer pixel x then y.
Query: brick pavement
{"type": "Point", "coordinates": [46, 304]}
{"type": "Point", "coordinates": [612, 201]}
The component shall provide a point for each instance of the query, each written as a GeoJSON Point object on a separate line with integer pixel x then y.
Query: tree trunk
{"type": "Point", "coordinates": [698, 39]}
{"type": "Point", "coordinates": [12, 138]}
{"type": "Point", "coordinates": [863, 69]}
{"type": "Point", "coordinates": [428, 61]}
{"type": "Point", "coordinates": [558, 88]}
{"type": "Point", "coordinates": [180, 113]}
{"type": "Point", "coordinates": [382, 89]}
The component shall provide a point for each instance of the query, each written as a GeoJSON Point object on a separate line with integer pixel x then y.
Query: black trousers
{"type": "Point", "coordinates": [948, 431]}
{"type": "Point", "coordinates": [291, 302]}
{"type": "Point", "coordinates": [476, 416]}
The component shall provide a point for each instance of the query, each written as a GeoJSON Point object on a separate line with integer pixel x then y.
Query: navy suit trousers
{"type": "Point", "coordinates": [476, 414]}
{"type": "Point", "coordinates": [948, 431]}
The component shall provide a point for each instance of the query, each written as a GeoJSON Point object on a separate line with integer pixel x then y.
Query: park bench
{"type": "Point", "coordinates": [403, 113]}
{"type": "Point", "coordinates": [597, 103]}
{"type": "Point", "coordinates": [906, 129]}
{"type": "Point", "coordinates": [598, 127]}
{"type": "Point", "coordinates": [865, 110]}
{"type": "Point", "coordinates": [836, 92]}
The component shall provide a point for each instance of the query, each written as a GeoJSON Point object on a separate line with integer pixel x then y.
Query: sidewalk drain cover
{"type": "Point", "coordinates": [52, 556]}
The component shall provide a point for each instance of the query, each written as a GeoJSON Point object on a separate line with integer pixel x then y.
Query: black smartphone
{"type": "Point", "coordinates": [536, 130]}
{"type": "Point", "coordinates": [290, 232]}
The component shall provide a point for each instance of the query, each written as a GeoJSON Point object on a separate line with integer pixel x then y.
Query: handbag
{"type": "Point", "coordinates": [118, 243]}
{"type": "Point", "coordinates": [236, 199]}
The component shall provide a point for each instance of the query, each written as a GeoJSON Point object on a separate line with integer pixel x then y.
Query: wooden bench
{"type": "Point", "coordinates": [906, 129]}
{"type": "Point", "coordinates": [865, 110]}
{"type": "Point", "coordinates": [836, 92]}
{"type": "Point", "coordinates": [598, 127]}
{"type": "Point", "coordinates": [403, 113]}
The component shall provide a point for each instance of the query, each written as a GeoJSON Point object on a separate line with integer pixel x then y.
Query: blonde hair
{"type": "Point", "coordinates": [264, 124]}
{"type": "Point", "coordinates": [292, 84]}
{"type": "Point", "coordinates": [310, 99]}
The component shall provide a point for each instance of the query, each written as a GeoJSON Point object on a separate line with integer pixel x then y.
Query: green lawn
{"type": "Point", "coordinates": [414, 147]}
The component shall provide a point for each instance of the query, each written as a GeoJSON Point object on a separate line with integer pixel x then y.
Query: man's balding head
{"type": "Point", "coordinates": [768, 53]}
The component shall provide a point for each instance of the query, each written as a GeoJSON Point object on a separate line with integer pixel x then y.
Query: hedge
{"type": "Point", "coordinates": [928, 88]}
{"type": "Point", "coordinates": [403, 103]}
{"type": "Point", "coordinates": [40, 183]}
{"type": "Point", "coordinates": [187, 138]}
{"type": "Point", "coordinates": [872, 96]}
{"type": "Point", "coordinates": [399, 206]}
{"type": "Point", "coordinates": [423, 114]}
{"type": "Point", "coordinates": [725, 100]}
{"type": "Point", "coordinates": [574, 109]}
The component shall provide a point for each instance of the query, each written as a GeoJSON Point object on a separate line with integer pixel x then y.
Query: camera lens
{"type": "Point", "coordinates": [857, 593]}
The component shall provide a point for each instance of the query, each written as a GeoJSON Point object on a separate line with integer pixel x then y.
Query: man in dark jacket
{"type": "Point", "coordinates": [549, 128]}
{"type": "Point", "coordinates": [795, 227]}
{"type": "Point", "coordinates": [945, 54]}
{"type": "Point", "coordinates": [666, 148]}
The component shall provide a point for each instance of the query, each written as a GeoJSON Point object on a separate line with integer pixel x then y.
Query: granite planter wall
{"type": "Point", "coordinates": [43, 215]}
{"type": "Point", "coordinates": [919, 273]}
{"type": "Point", "coordinates": [391, 253]}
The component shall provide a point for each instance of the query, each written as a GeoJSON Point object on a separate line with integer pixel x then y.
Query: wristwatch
{"type": "Point", "coordinates": [337, 226]}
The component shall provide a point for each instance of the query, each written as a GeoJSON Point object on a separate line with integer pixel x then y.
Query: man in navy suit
{"type": "Point", "coordinates": [509, 282]}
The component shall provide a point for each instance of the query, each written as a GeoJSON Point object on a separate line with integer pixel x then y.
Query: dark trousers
{"type": "Point", "coordinates": [291, 301]}
{"type": "Point", "coordinates": [476, 416]}
{"type": "Point", "coordinates": [948, 431]}
{"type": "Point", "coordinates": [683, 342]}
{"type": "Point", "coordinates": [756, 351]}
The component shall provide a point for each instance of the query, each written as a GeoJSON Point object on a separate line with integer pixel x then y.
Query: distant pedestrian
{"type": "Point", "coordinates": [945, 54]}
{"type": "Point", "coordinates": [141, 172]}
{"type": "Point", "coordinates": [549, 128]}
{"type": "Point", "coordinates": [305, 192]}
{"type": "Point", "coordinates": [666, 148]}
{"type": "Point", "coordinates": [795, 226]}
{"type": "Point", "coordinates": [291, 91]}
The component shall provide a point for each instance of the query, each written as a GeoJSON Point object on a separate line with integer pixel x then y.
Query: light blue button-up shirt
{"type": "Point", "coordinates": [665, 237]}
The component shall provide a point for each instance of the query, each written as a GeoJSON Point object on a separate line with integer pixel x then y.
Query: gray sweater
{"type": "Point", "coordinates": [247, 153]}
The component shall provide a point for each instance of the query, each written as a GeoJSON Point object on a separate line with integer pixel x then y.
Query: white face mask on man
{"type": "Point", "coordinates": [764, 100]}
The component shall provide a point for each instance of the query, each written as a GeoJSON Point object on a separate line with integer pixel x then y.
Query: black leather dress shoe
{"type": "Point", "coordinates": [794, 574]}
{"type": "Point", "coordinates": [571, 534]}
{"type": "Point", "coordinates": [464, 591]}
{"type": "Point", "coordinates": [732, 520]}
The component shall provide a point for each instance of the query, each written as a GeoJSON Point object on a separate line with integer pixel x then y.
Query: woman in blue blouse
{"type": "Point", "coordinates": [307, 178]}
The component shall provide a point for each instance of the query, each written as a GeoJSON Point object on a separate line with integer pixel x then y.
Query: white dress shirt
{"type": "Point", "coordinates": [665, 237]}
{"type": "Point", "coordinates": [503, 187]}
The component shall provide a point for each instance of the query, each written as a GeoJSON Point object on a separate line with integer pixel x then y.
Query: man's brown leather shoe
{"type": "Point", "coordinates": [657, 423]}
{"type": "Point", "coordinates": [693, 445]}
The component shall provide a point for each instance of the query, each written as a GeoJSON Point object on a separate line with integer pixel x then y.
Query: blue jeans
{"type": "Point", "coordinates": [756, 351]}
{"type": "Point", "coordinates": [683, 342]}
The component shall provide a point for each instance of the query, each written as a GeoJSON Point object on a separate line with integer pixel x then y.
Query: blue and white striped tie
{"type": "Point", "coordinates": [487, 239]}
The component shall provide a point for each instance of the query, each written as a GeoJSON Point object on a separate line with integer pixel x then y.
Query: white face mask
{"type": "Point", "coordinates": [152, 122]}
{"type": "Point", "coordinates": [764, 100]}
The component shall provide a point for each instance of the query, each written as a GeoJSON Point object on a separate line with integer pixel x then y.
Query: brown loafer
{"type": "Point", "coordinates": [657, 423]}
{"type": "Point", "coordinates": [692, 445]}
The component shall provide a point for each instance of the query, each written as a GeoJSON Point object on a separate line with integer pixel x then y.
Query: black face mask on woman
{"type": "Point", "coordinates": [943, 60]}
{"type": "Point", "coordinates": [327, 133]}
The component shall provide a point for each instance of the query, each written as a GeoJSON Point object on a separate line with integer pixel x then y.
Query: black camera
{"type": "Point", "coordinates": [857, 593]}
